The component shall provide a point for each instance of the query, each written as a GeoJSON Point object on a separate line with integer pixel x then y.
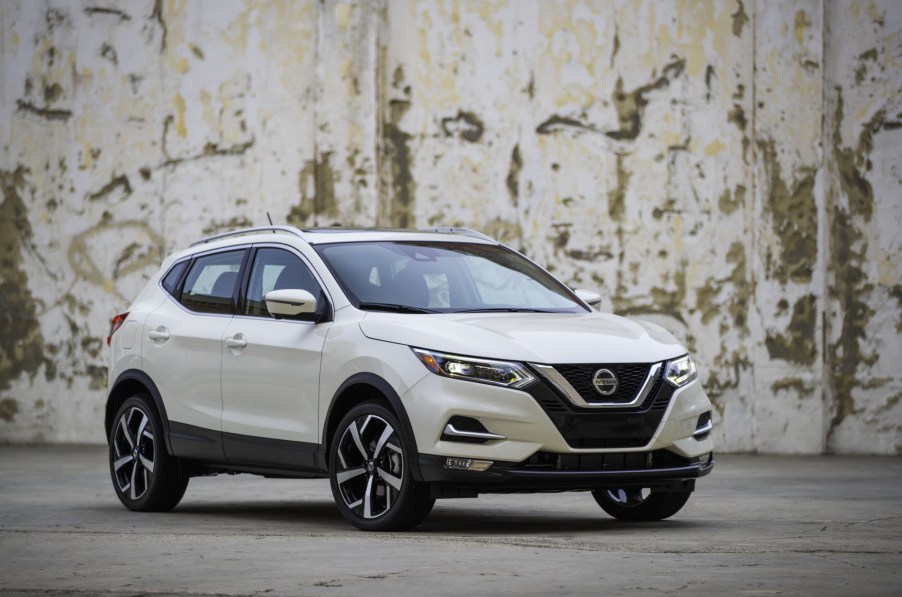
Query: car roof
{"type": "Point", "coordinates": [318, 236]}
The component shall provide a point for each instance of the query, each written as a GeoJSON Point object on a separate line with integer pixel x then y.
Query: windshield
{"type": "Point", "coordinates": [443, 277]}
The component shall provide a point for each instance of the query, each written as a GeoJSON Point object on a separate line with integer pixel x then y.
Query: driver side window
{"type": "Point", "coordinates": [277, 269]}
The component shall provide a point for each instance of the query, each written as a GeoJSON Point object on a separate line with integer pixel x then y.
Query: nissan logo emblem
{"type": "Point", "coordinates": [605, 382]}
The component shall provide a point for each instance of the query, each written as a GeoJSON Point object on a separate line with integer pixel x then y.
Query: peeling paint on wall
{"type": "Point", "coordinates": [727, 170]}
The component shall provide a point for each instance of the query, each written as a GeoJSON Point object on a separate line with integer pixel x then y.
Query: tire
{"type": "Point", "coordinates": [146, 478]}
{"type": "Point", "coordinates": [370, 474]}
{"type": "Point", "coordinates": [639, 504]}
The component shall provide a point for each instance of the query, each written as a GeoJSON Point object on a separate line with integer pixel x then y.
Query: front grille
{"type": "Point", "coordinates": [608, 428]}
{"type": "Point", "coordinates": [703, 420]}
{"type": "Point", "coordinates": [630, 378]}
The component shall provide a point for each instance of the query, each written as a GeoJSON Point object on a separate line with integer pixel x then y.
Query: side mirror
{"type": "Point", "coordinates": [289, 302]}
{"type": "Point", "coordinates": [593, 299]}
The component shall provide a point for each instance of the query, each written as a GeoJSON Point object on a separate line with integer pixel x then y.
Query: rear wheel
{"type": "Point", "coordinates": [145, 477]}
{"type": "Point", "coordinates": [640, 503]}
{"type": "Point", "coordinates": [370, 473]}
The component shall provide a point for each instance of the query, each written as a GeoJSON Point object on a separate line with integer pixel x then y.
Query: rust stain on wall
{"type": "Point", "coordinates": [21, 341]}
{"type": "Point", "coordinates": [630, 105]}
{"type": "Point", "coordinates": [794, 215]}
{"type": "Point", "coordinates": [799, 344]}
{"type": "Point", "coordinates": [740, 19]}
{"type": "Point", "coordinates": [850, 285]}
{"type": "Point", "coordinates": [9, 408]}
{"type": "Point", "coordinates": [465, 125]}
{"type": "Point", "coordinates": [316, 184]}
{"type": "Point", "coordinates": [397, 150]}
{"type": "Point", "coordinates": [513, 175]}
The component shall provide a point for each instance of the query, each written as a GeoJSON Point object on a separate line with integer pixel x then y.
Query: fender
{"type": "Point", "coordinates": [144, 379]}
{"type": "Point", "coordinates": [371, 379]}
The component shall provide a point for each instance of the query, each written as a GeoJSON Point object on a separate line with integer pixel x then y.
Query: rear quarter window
{"type": "Point", "coordinates": [211, 281]}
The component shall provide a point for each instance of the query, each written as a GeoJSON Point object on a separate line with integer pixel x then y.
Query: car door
{"type": "Point", "coordinates": [270, 368]}
{"type": "Point", "coordinates": [182, 351]}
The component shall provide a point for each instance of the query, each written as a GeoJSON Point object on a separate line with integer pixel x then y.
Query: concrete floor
{"type": "Point", "coordinates": [756, 526]}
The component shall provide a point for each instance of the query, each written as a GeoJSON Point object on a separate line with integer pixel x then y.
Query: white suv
{"type": "Point", "coordinates": [404, 365]}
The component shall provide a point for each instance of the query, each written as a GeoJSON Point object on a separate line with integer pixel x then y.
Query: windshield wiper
{"type": "Point", "coordinates": [393, 307]}
{"type": "Point", "coordinates": [505, 310]}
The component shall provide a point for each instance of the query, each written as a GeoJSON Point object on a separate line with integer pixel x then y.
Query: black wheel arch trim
{"type": "Point", "coordinates": [394, 400]}
{"type": "Point", "coordinates": [147, 382]}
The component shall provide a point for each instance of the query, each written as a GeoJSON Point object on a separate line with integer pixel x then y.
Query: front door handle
{"type": "Point", "coordinates": [236, 341]}
{"type": "Point", "coordinates": [160, 333]}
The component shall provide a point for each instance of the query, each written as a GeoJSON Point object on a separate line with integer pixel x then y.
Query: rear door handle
{"type": "Point", "coordinates": [160, 333]}
{"type": "Point", "coordinates": [236, 341]}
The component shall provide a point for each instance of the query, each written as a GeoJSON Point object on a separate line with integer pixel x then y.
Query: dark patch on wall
{"type": "Point", "coordinates": [117, 182]}
{"type": "Point", "coordinates": [556, 123]}
{"type": "Point", "coordinates": [740, 19]}
{"type": "Point", "coordinates": [102, 10]}
{"type": "Point", "coordinates": [109, 53]}
{"type": "Point", "coordinates": [43, 113]}
{"type": "Point", "coordinates": [737, 117]}
{"type": "Point", "coordinates": [794, 218]}
{"type": "Point", "coordinates": [21, 341]}
{"type": "Point", "coordinates": [730, 201]}
{"type": "Point", "coordinates": [210, 149]}
{"type": "Point", "coordinates": [710, 75]}
{"type": "Point", "coordinates": [792, 384]}
{"type": "Point", "coordinates": [513, 175]}
{"type": "Point", "coordinates": [707, 298]}
{"type": "Point", "coordinates": [52, 93]}
{"type": "Point", "coordinates": [617, 197]}
{"type": "Point", "coordinates": [9, 408]}
{"type": "Point", "coordinates": [198, 53]}
{"type": "Point", "coordinates": [396, 144]}
{"type": "Point", "coordinates": [465, 125]}
{"type": "Point", "coordinates": [97, 375]}
{"type": "Point", "coordinates": [321, 204]}
{"type": "Point", "coordinates": [849, 286]}
{"type": "Point", "coordinates": [799, 344]}
{"type": "Point", "coordinates": [157, 15]}
{"type": "Point", "coordinates": [232, 223]}
{"type": "Point", "coordinates": [630, 105]}
{"type": "Point", "coordinates": [615, 48]}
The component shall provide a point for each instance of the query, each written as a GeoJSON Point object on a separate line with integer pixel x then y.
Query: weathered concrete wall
{"type": "Point", "coordinates": [727, 169]}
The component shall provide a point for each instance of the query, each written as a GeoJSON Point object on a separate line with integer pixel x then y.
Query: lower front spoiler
{"type": "Point", "coordinates": [512, 478]}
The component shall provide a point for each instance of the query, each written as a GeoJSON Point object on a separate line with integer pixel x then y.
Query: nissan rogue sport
{"type": "Point", "coordinates": [405, 366]}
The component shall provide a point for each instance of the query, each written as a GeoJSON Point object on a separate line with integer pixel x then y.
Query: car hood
{"type": "Point", "coordinates": [533, 337]}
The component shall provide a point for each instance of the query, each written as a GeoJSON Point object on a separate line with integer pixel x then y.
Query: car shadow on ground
{"type": "Point", "coordinates": [319, 516]}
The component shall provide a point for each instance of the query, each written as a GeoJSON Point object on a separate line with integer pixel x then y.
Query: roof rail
{"type": "Point", "coordinates": [254, 230]}
{"type": "Point", "coordinates": [460, 231]}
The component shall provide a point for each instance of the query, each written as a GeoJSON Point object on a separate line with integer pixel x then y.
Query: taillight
{"type": "Point", "coordinates": [115, 325]}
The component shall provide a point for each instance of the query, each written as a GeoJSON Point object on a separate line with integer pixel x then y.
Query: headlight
{"type": "Point", "coordinates": [680, 371]}
{"type": "Point", "coordinates": [499, 373]}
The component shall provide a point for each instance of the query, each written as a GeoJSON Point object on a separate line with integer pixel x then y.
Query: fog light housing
{"type": "Point", "coordinates": [467, 464]}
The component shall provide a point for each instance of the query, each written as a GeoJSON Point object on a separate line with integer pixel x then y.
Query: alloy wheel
{"type": "Point", "coordinates": [371, 466]}
{"type": "Point", "coordinates": [133, 453]}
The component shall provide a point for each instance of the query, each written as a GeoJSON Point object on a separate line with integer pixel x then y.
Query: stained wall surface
{"type": "Point", "coordinates": [728, 169]}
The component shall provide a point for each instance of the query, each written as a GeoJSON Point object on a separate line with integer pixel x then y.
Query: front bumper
{"type": "Point", "coordinates": [673, 474]}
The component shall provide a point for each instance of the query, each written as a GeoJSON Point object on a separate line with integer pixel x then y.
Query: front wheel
{"type": "Point", "coordinates": [639, 503]}
{"type": "Point", "coordinates": [145, 477]}
{"type": "Point", "coordinates": [370, 473]}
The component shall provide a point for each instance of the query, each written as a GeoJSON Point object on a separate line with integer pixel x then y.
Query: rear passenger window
{"type": "Point", "coordinates": [171, 280]}
{"type": "Point", "coordinates": [211, 282]}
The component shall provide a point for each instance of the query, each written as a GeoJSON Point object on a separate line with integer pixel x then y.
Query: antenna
{"type": "Point", "coordinates": [268, 217]}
